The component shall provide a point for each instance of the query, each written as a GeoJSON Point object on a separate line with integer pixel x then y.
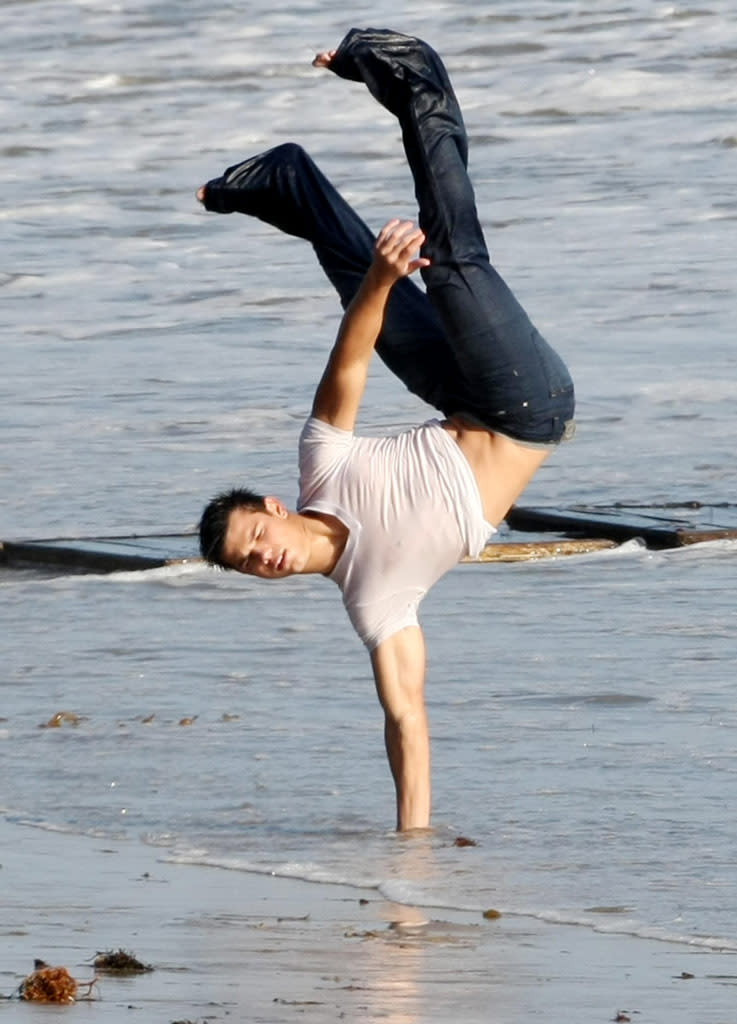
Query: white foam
{"type": "Point", "coordinates": [302, 871]}
{"type": "Point", "coordinates": [178, 571]}
{"type": "Point", "coordinates": [632, 929]}
{"type": "Point", "coordinates": [702, 551]}
{"type": "Point", "coordinates": [103, 82]}
{"type": "Point", "coordinates": [409, 893]}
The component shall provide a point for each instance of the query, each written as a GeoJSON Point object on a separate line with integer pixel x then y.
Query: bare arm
{"type": "Point", "coordinates": [399, 671]}
{"type": "Point", "coordinates": [342, 385]}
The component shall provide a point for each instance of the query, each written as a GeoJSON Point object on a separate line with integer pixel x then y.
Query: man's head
{"type": "Point", "coordinates": [253, 534]}
{"type": "Point", "coordinates": [213, 525]}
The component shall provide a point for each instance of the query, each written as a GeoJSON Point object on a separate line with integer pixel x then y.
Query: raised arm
{"type": "Point", "coordinates": [341, 388]}
{"type": "Point", "coordinates": [399, 671]}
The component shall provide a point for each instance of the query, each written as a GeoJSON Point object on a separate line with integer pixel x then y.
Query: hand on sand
{"type": "Point", "coordinates": [322, 60]}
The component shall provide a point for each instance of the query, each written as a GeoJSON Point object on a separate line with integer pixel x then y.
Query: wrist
{"type": "Point", "coordinates": [380, 278]}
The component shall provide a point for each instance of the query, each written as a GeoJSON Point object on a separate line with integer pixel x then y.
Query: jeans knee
{"type": "Point", "coordinates": [289, 153]}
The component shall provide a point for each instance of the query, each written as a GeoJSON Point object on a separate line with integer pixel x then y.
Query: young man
{"type": "Point", "coordinates": [386, 517]}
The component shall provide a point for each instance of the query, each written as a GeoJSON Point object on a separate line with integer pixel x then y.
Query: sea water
{"type": "Point", "coordinates": [583, 710]}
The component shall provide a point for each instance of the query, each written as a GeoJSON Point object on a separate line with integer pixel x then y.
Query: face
{"type": "Point", "coordinates": [265, 543]}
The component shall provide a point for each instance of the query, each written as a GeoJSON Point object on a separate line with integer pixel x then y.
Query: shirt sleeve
{"type": "Point", "coordinates": [322, 449]}
{"type": "Point", "coordinates": [377, 621]}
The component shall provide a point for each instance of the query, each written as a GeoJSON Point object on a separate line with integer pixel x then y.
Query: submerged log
{"type": "Point", "coordinates": [532, 550]}
{"type": "Point", "coordinates": [668, 525]}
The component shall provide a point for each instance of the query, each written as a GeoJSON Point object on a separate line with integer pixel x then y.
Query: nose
{"type": "Point", "coordinates": [264, 555]}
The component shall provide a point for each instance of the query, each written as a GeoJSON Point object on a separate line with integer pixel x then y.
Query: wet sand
{"type": "Point", "coordinates": [235, 946]}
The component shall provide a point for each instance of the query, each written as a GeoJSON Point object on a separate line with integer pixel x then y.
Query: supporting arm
{"type": "Point", "coordinates": [399, 671]}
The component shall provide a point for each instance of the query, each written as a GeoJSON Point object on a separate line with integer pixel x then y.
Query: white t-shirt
{"type": "Point", "coordinates": [412, 508]}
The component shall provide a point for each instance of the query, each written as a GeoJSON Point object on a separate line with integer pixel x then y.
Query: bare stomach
{"type": "Point", "coordinates": [502, 467]}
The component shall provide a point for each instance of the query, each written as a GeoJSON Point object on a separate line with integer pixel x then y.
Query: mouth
{"type": "Point", "coordinates": [281, 561]}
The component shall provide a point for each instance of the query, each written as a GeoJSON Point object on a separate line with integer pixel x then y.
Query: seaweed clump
{"type": "Point", "coordinates": [51, 985]}
{"type": "Point", "coordinates": [464, 841]}
{"type": "Point", "coordinates": [120, 962]}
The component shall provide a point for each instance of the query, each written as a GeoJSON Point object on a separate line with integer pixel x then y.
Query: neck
{"type": "Point", "coordinates": [327, 538]}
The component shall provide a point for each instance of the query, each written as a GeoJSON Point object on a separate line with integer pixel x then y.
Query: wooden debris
{"type": "Point", "coordinates": [296, 1002]}
{"type": "Point", "coordinates": [120, 962]}
{"type": "Point", "coordinates": [663, 525]}
{"type": "Point", "coordinates": [61, 718]}
{"type": "Point", "coordinates": [101, 554]}
{"type": "Point", "coordinates": [532, 550]}
{"type": "Point", "coordinates": [372, 933]}
{"type": "Point", "coordinates": [491, 915]}
{"type": "Point", "coordinates": [668, 525]}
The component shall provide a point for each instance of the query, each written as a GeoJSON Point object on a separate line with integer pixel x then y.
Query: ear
{"type": "Point", "coordinates": [275, 508]}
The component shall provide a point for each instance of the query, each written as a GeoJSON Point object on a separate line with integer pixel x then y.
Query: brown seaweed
{"type": "Point", "coordinates": [120, 962]}
{"type": "Point", "coordinates": [464, 841]}
{"type": "Point", "coordinates": [52, 985]}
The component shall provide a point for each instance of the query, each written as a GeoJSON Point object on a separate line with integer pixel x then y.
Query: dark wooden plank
{"type": "Point", "coordinates": [116, 554]}
{"type": "Point", "coordinates": [101, 554]}
{"type": "Point", "coordinates": [664, 526]}
{"type": "Point", "coordinates": [660, 526]}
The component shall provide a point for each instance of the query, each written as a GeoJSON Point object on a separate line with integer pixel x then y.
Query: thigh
{"type": "Point", "coordinates": [498, 366]}
{"type": "Point", "coordinates": [512, 380]}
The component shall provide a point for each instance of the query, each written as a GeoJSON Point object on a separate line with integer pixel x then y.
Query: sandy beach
{"type": "Point", "coordinates": [229, 945]}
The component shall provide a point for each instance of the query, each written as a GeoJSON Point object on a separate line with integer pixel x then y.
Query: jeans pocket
{"type": "Point", "coordinates": [558, 379]}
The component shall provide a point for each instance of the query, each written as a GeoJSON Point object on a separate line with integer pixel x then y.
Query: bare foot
{"type": "Point", "coordinates": [200, 193]}
{"type": "Point", "coordinates": [322, 60]}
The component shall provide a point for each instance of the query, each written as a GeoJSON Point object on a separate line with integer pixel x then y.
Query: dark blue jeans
{"type": "Point", "coordinates": [466, 345]}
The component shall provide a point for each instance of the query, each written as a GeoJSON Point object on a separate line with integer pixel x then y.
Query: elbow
{"type": "Point", "coordinates": [408, 718]}
{"type": "Point", "coordinates": [408, 726]}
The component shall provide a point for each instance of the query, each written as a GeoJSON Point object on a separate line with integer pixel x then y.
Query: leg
{"type": "Point", "coordinates": [284, 187]}
{"type": "Point", "coordinates": [511, 379]}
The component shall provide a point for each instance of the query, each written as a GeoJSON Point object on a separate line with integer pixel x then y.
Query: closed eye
{"type": "Point", "coordinates": [246, 563]}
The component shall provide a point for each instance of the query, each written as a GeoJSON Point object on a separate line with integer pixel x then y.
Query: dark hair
{"type": "Point", "coordinates": [214, 522]}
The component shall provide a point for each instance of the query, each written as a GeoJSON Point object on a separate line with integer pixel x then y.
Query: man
{"type": "Point", "coordinates": [385, 518]}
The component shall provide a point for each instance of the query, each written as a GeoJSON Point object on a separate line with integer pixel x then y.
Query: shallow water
{"type": "Point", "coordinates": [583, 711]}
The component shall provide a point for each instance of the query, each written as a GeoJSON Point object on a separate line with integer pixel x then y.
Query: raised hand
{"type": "Point", "coordinates": [395, 251]}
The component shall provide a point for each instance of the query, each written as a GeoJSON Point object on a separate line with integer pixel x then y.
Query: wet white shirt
{"type": "Point", "coordinates": [412, 508]}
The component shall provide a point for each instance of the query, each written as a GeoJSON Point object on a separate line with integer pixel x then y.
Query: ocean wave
{"type": "Point", "coordinates": [303, 871]}
{"type": "Point", "coordinates": [613, 921]}
{"type": "Point", "coordinates": [43, 825]}
{"type": "Point", "coordinates": [604, 921]}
